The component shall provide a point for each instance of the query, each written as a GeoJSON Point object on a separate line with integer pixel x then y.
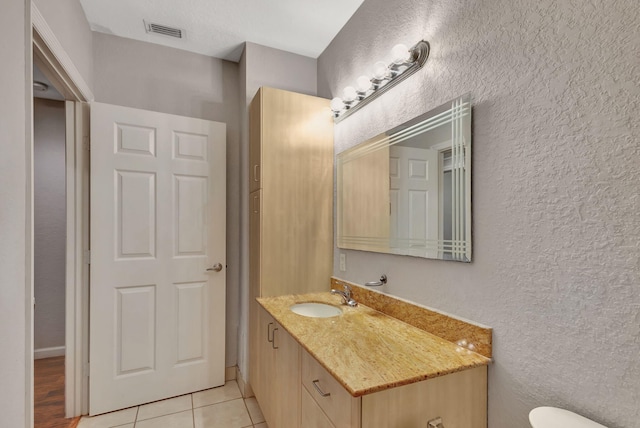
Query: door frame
{"type": "Point", "coordinates": [58, 67]}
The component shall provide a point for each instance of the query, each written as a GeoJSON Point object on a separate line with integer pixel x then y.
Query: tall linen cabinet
{"type": "Point", "coordinates": [291, 229]}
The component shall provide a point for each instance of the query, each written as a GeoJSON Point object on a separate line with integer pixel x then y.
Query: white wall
{"type": "Point", "coordinates": [158, 78]}
{"type": "Point", "coordinates": [15, 214]}
{"type": "Point", "coordinates": [49, 223]}
{"type": "Point", "coordinates": [262, 66]}
{"type": "Point", "coordinates": [278, 69]}
{"type": "Point", "coordinates": [556, 167]}
{"type": "Point", "coordinates": [16, 284]}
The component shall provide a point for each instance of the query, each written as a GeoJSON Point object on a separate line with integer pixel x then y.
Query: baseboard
{"type": "Point", "coordinates": [245, 387]}
{"type": "Point", "coordinates": [230, 373]}
{"type": "Point", "coordinates": [56, 351]}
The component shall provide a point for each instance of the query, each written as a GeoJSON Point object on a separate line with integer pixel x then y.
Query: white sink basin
{"type": "Point", "coordinates": [315, 310]}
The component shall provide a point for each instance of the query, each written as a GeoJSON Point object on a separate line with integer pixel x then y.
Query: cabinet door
{"type": "Point", "coordinates": [262, 378]}
{"type": "Point", "coordinates": [255, 243]}
{"type": "Point", "coordinates": [255, 143]}
{"type": "Point", "coordinates": [296, 178]}
{"type": "Point", "coordinates": [286, 386]}
{"type": "Point", "coordinates": [256, 318]}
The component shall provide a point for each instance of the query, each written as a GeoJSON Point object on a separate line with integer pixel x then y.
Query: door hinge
{"type": "Point", "coordinates": [87, 257]}
{"type": "Point", "coordinates": [86, 369]}
{"type": "Point", "coordinates": [86, 144]}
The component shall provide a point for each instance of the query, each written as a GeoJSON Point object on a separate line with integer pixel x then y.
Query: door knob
{"type": "Point", "coordinates": [216, 268]}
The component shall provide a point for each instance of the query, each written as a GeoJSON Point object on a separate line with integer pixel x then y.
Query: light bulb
{"type": "Point", "coordinates": [349, 94]}
{"type": "Point", "coordinates": [336, 104]}
{"type": "Point", "coordinates": [364, 83]}
{"type": "Point", "coordinates": [400, 54]}
{"type": "Point", "coordinates": [379, 70]}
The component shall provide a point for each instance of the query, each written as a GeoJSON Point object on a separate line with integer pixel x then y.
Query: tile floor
{"type": "Point", "coordinates": [221, 407]}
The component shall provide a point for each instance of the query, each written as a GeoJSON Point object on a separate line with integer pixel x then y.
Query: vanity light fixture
{"type": "Point", "coordinates": [405, 62]}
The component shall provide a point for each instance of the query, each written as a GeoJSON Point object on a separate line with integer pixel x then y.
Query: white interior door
{"type": "Point", "coordinates": [414, 198]}
{"type": "Point", "coordinates": [157, 315]}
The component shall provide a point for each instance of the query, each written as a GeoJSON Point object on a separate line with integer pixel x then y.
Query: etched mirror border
{"type": "Point", "coordinates": [457, 114]}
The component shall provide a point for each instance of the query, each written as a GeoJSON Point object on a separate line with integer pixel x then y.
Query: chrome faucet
{"type": "Point", "coordinates": [346, 295]}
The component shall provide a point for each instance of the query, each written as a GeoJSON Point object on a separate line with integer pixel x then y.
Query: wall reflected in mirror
{"type": "Point", "coordinates": [408, 191]}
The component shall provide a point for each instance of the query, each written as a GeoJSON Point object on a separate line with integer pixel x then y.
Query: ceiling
{"type": "Point", "coordinates": [219, 28]}
{"type": "Point", "coordinates": [50, 93]}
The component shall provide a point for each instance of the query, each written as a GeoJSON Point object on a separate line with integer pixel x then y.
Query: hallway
{"type": "Point", "coordinates": [49, 394]}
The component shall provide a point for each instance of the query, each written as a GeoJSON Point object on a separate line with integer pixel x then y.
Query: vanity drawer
{"type": "Point", "coordinates": [342, 409]}
{"type": "Point", "coordinates": [312, 415]}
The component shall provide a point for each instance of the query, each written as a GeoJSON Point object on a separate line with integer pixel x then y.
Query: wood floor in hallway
{"type": "Point", "coordinates": [49, 394]}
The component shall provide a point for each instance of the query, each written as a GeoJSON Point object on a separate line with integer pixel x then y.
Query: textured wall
{"type": "Point", "coordinates": [157, 78]}
{"type": "Point", "coordinates": [15, 215]}
{"type": "Point", "coordinates": [556, 202]}
{"type": "Point", "coordinates": [49, 223]}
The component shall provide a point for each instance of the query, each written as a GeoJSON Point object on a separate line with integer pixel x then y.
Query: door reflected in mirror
{"type": "Point", "coordinates": [408, 191]}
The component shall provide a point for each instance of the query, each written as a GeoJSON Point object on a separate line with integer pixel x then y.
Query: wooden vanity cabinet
{"type": "Point", "coordinates": [291, 213]}
{"type": "Point", "coordinates": [295, 391]}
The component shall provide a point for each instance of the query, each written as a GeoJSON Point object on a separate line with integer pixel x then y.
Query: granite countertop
{"type": "Point", "coordinates": [366, 350]}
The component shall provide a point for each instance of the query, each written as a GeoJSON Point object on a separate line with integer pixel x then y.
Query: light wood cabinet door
{"type": "Point", "coordinates": [255, 142]}
{"type": "Point", "coordinates": [264, 373]}
{"type": "Point", "coordinates": [296, 178]}
{"type": "Point", "coordinates": [255, 243]}
{"type": "Point", "coordinates": [286, 387]}
{"type": "Point", "coordinates": [256, 318]}
{"type": "Point", "coordinates": [276, 379]}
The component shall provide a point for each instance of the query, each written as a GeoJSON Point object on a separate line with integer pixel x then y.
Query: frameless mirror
{"type": "Point", "coordinates": [408, 191]}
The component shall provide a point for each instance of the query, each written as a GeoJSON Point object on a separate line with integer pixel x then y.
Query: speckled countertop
{"type": "Point", "coordinates": [366, 350]}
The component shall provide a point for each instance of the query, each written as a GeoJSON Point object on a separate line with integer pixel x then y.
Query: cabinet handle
{"type": "Point", "coordinates": [317, 387]}
{"type": "Point", "coordinates": [256, 168]}
{"type": "Point", "coordinates": [273, 339]}
{"type": "Point", "coordinates": [269, 337]}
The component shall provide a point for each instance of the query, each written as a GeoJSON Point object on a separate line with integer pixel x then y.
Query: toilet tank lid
{"type": "Point", "coordinates": [552, 417]}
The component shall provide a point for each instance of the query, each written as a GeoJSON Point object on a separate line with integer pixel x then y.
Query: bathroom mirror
{"type": "Point", "coordinates": [408, 191]}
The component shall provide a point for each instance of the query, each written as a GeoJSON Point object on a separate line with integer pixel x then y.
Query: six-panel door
{"type": "Point", "coordinates": [158, 203]}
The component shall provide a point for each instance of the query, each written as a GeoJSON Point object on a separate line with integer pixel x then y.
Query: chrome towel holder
{"type": "Point", "coordinates": [382, 281]}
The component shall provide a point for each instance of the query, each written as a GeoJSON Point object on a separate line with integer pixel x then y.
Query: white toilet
{"type": "Point", "coordinates": [552, 417]}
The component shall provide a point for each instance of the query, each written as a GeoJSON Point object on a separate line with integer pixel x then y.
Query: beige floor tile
{"type": "Point", "coordinates": [229, 414]}
{"type": "Point", "coordinates": [229, 391]}
{"type": "Point", "coordinates": [262, 425]}
{"type": "Point", "coordinates": [164, 407]}
{"type": "Point", "coordinates": [109, 420]}
{"type": "Point", "coordinates": [176, 420]}
{"type": "Point", "coordinates": [254, 410]}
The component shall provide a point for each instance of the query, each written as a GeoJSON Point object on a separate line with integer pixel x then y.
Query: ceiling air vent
{"type": "Point", "coordinates": [164, 30]}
